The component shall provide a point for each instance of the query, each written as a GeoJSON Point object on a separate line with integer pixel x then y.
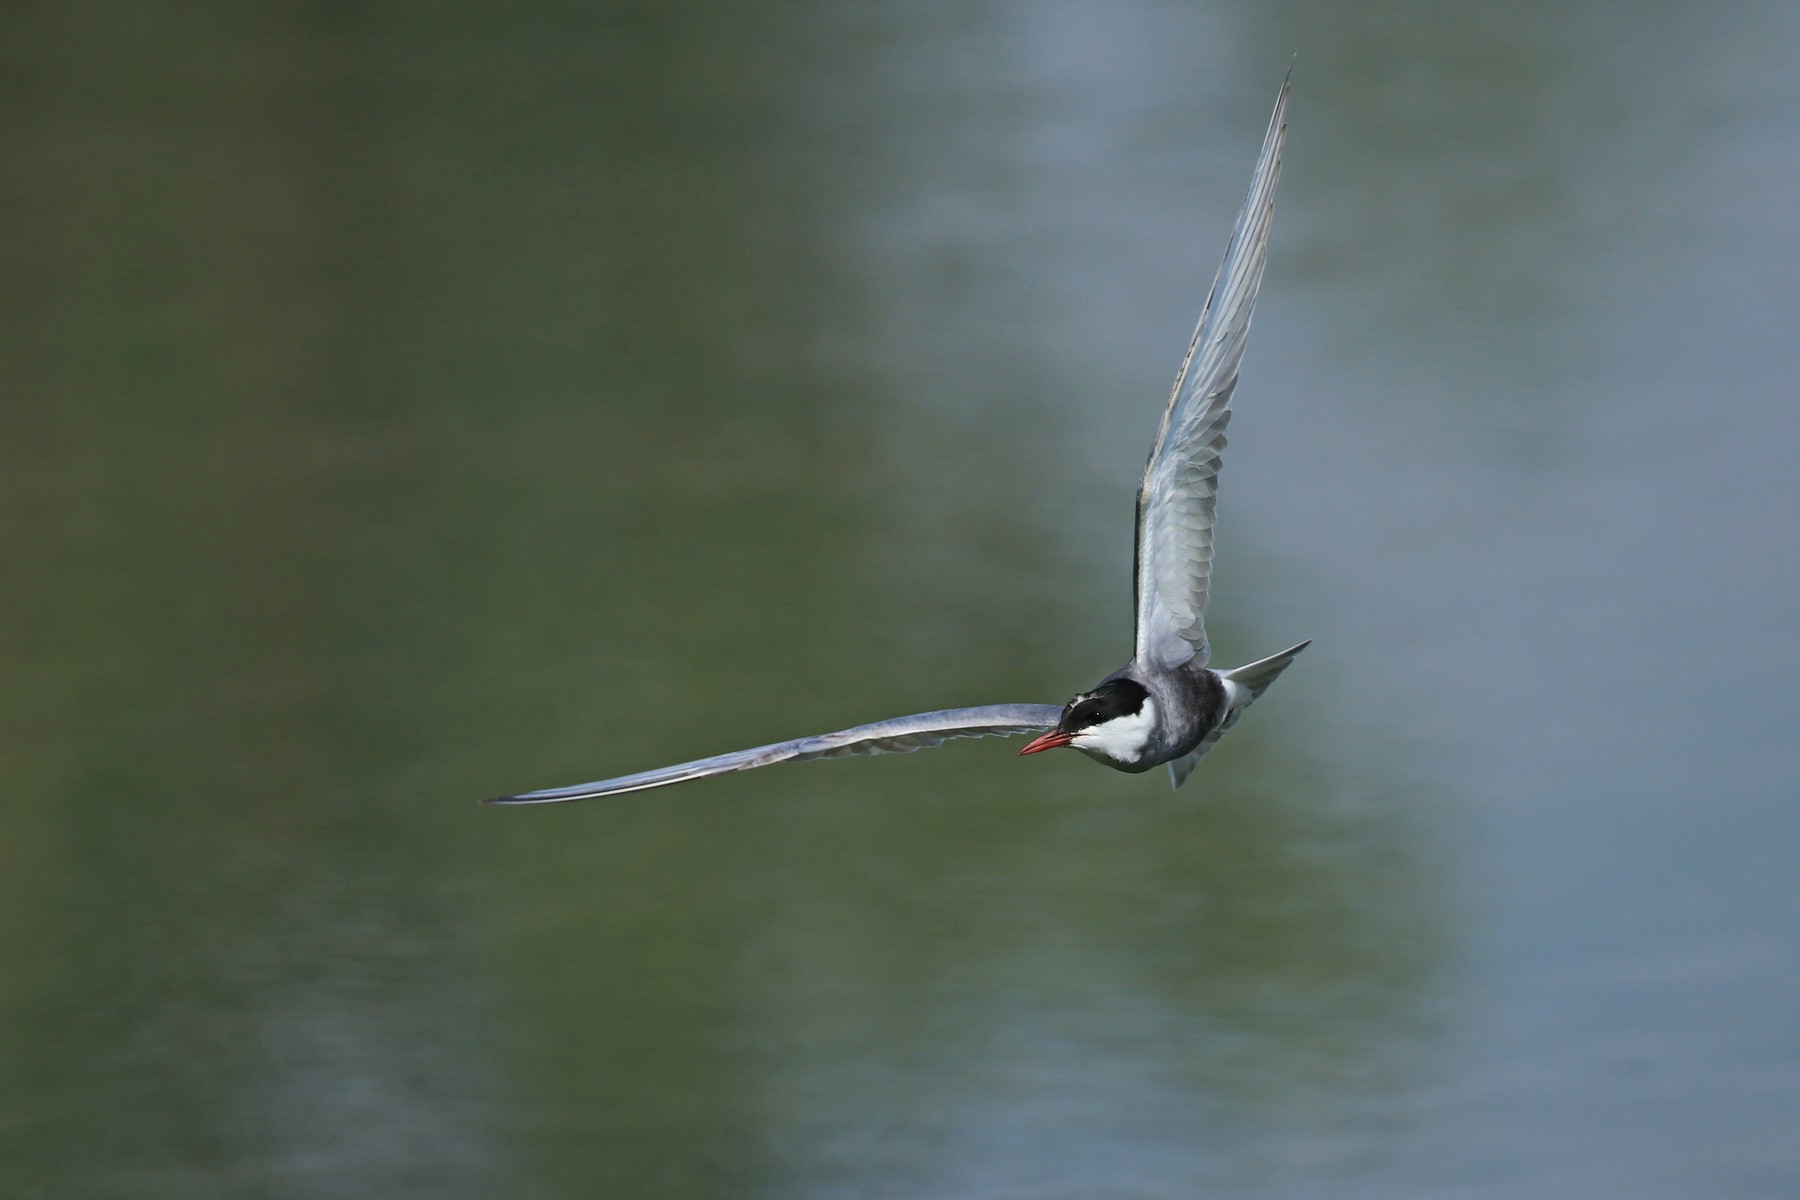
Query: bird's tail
{"type": "Point", "coordinates": [1249, 681]}
{"type": "Point", "coordinates": [1257, 676]}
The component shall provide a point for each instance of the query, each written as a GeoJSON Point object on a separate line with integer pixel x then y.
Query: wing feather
{"type": "Point", "coordinates": [1175, 502]}
{"type": "Point", "coordinates": [899, 735]}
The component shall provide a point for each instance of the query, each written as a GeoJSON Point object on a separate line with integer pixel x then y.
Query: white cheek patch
{"type": "Point", "coordinates": [1123, 738]}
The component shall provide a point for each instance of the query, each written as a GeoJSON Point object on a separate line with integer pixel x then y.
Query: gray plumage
{"type": "Point", "coordinates": [882, 737]}
{"type": "Point", "coordinates": [1173, 574]}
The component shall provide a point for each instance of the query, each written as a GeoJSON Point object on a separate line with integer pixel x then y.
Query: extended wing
{"type": "Point", "coordinates": [1175, 502]}
{"type": "Point", "coordinates": [883, 737]}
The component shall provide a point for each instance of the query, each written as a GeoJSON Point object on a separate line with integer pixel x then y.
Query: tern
{"type": "Point", "coordinates": [1165, 705]}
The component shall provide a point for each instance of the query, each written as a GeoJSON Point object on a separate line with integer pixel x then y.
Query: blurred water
{"type": "Point", "coordinates": [407, 403]}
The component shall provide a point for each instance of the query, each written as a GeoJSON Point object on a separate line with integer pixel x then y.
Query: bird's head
{"type": "Point", "coordinates": [1113, 722]}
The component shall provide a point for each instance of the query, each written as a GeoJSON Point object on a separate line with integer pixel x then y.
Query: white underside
{"type": "Point", "coordinates": [1236, 697]}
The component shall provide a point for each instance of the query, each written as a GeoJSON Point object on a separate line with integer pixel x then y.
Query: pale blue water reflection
{"type": "Point", "coordinates": [412, 405]}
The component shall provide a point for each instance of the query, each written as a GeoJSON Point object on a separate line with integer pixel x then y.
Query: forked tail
{"type": "Point", "coordinates": [1257, 676]}
{"type": "Point", "coordinates": [1249, 681]}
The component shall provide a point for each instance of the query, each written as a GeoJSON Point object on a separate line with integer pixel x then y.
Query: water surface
{"type": "Point", "coordinates": [412, 403]}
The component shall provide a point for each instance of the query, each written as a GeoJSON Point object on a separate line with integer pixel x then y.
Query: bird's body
{"type": "Point", "coordinates": [1165, 705]}
{"type": "Point", "coordinates": [1142, 719]}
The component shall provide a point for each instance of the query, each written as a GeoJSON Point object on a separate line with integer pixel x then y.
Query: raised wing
{"type": "Point", "coordinates": [883, 737]}
{"type": "Point", "coordinates": [1175, 502]}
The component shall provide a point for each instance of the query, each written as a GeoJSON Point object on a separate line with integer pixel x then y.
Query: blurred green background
{"type": "Point", "coordinates": [406, 403]}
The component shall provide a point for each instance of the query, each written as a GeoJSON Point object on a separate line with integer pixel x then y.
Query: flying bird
{"type": "Point", "coordinates": [1165, 705]}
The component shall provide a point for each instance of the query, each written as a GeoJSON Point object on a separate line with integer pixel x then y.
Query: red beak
{"type": "Point", "coordinates": [1047, 741]}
